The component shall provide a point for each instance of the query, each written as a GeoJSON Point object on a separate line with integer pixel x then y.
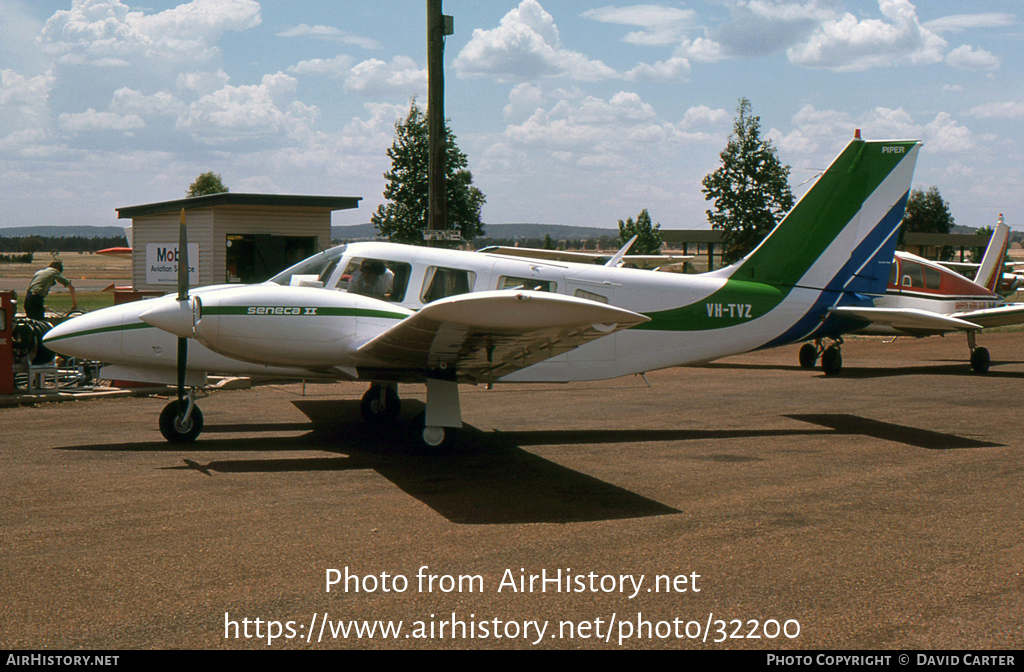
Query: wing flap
{"type": "Point", "coordinates": [487, 335]}
{"type": "Point", "coordinates": [909, 320]}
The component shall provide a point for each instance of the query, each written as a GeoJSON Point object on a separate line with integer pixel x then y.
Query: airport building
{"type": "Point", "coordinates": [232, 238]}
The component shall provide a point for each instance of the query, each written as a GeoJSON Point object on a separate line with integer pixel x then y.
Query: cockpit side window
{"type": "Point", "coordinates": [912, 275]}
{"type": "Point", "coordinates": [510, 282]}
{"type": "Point", "coordinates": [316, 269]}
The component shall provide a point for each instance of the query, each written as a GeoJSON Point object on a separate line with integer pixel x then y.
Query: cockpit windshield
{"type": "Point", "coordinates": [312, 272]}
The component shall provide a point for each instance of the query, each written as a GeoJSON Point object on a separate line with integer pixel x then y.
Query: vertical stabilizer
{"type": "Point", "coordinates": [841, 235]}
{"type": "Point", "coordinates": [991, 269]}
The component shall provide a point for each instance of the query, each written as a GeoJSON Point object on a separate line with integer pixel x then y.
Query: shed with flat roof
{"type": "Point", "coordinates": [233, 238]}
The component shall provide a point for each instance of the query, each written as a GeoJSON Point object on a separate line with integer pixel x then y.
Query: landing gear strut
{"type": "Point", "coordinates": [831, 357]}
{"type": "Point", "coordinates": [438, 426]}
{"type": "Point", "coordinates": [980, 359]}
{"type": "Point", "coordinates": [381, 404]}
{"type": "Point", "coordinates": [181, 421]}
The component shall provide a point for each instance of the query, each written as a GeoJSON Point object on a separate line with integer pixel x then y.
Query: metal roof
{"type": "Point", "coordinates": [228, 198]}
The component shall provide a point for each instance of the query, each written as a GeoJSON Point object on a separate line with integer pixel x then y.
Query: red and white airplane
{"type": "Point", "coordinates": [923, 298]}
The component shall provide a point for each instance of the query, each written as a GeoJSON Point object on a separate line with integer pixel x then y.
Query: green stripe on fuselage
{"type": "Point", "coordinates": [736, 303]}
{"type": "Point", "coordinates": [301, 311]}
{"type": "Point", "coordinates": [101, 330]}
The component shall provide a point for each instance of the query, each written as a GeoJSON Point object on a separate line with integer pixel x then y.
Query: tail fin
{"type": "Point", "coordinates": [991, 269]}
{"type": "Point", "coordinates": [841, 235]}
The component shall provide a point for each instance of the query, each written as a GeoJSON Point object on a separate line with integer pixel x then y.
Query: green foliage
{"type": "Point", "coordinates": [751, 188]}
{"type": "Point", "coordinates": [205, 184]}
{"type": "Point", "coordinates": [404, 217]}
{"type": "Point", "coordinates": [978, 253]}
{"type": "Point", "coordinates": [927, 212]}
{"type": "Point", "coordinates": [648, 236]}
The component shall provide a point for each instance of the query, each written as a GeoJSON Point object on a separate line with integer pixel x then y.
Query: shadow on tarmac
{"type": "Point", "coordinates": [488, 478]}
{"type": "Point", "coordinates": [954, 368]}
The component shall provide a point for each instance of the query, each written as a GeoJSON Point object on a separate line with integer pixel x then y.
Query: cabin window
{"type": "Point", "coordinates": [509, 282]}
{"type": "Point", "coordinates": [894, 272]}
{"type": "Point", "coordinates": [913, 275]}
{"type": "Point", "coordinates": [932, 278]}
{"type": "Point", "coordinates": [440, 283]}
{"type": "Point", "coordinates": [590, 296]}
{"type": "Point", "coordinates": [376, 278]}
{"type": "Point", "coordinates": [320, 267]}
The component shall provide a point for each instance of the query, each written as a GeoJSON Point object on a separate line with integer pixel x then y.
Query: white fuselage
{"type": "Point", "coordinates": [273, 347]}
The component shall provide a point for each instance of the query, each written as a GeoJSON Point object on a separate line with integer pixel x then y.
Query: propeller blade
{"type": "Point", "coordinates": [182, 297]}
{"type": "Point", "coordinates": [182, 259]}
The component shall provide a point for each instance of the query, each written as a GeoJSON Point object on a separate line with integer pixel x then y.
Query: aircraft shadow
{"type": "Point", "coordinates": [488, 478]}
{"type": "Point", "coordinates": [955, 368]}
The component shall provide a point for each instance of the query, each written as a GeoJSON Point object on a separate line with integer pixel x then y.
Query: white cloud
{"type": "Point", "coordinates": [960, 22]}
{"type": "Point", "coordinates": [107, 33]}
{"type": "Point", "coordinates": [244, 112]}
{"type": "Point", "coordinates": [375, 77]}
{"type": "Point", "coordinates": [967, 58]}
{"type": "Point", "coordinates": [661, 25]}
{"type": "Point", "coordinates": [91, 120]}
{"type": "Point", "coordinates": [130, 101]}
{"type": "Point", "coordinates": [523, 100]}
{"type": "Point", "coordinates": [524, 47]}
{"type": "Point", "coordinates": [331, 34]}
{"type": "Point", "coordinates": [338, 67]}
{"type": "Point", "coordinates": [203, 83]}
{"type": "Point", "coordinates": [1009, 110]}
{"type": "Point", "coordinates": [674, 69]}
{"type": "Point", "coordinates": [846, 44]}
{"type": "Point", "coordinates": [702, 116]}
{"type": "Point", "coordinates": [24, 102]}
{"type": "Point", "coordinates": [764, 27]}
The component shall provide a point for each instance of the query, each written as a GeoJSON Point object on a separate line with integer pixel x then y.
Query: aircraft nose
{"type": "Point", "coordinates": [175, 317]}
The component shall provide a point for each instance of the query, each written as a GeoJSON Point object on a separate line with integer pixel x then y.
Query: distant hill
{"type": "Point", "coordinates": [504, 231]}
{"type": "Point", "coordinates": [63, 231]}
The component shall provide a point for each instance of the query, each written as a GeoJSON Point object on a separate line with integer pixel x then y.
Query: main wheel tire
{"type": "Point", "coordinates": [832, 360]}
{"type": "Point", "coordinates": [170, 428]}
{"type": "Point", "coordinates": [808, 356]}
{"type": "Point", "coordinates": [372, 409]}
{"type": "Point", "coordinates": [980, 360]}
{"type": "Point", "coordinates": [434, 440]}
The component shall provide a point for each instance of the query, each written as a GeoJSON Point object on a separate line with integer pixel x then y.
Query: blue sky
{"type": "Point", "coordinates": [578, 113]}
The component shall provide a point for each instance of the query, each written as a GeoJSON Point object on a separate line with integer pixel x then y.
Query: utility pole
{"type": "Point", "coordinates": [438, 27]}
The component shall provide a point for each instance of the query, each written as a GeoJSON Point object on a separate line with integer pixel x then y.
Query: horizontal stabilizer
{"type": "Point", "coordinates": [487, 335]}
{"type": "Point", "coordinates": [909, 320]}
{"type": "Point", "coordinates": [1012, 313]}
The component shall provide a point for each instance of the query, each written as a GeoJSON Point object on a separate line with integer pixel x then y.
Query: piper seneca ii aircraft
{"type": "Point", "coordinates": [924, 298]}
{"type": "Point", "coordinates": [391, 314]}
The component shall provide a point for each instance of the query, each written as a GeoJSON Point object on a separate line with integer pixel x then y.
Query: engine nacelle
{"type": "Point", "coordinates": [291, 326]}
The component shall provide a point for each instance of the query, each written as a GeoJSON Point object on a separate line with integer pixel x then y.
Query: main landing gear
{"type": "Point", "coordinates": [831, 356]}
{"type": "Point", "coordinates": [181, 421]}
{"type": "Point", "coordinates": [438, 426]}
{"type": "Point", "coordinates": [980, 359]}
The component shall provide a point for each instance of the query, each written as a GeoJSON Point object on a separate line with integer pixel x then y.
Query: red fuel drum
{"type": "Point", "coordinates": [6, 343]}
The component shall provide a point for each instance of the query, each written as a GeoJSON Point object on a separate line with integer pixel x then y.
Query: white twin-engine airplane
{"type": "Point", "coordinates": [390, 314]}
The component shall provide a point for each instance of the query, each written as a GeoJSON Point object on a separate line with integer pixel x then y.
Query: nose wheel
{"type": "Point", "coordinates": [181, 421]}
{"type": "Point", "coordinates": [980, 359]}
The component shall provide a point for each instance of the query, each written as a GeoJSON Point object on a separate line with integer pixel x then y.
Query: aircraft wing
{"type": "Point", "coordinates": [487, 335]}
{"type": "Point", "coordinates": [1011, 313]}
{"type": "Point", "coordinates": [911, 321]}
{"type": "Point", "coordinates": [641, 260]}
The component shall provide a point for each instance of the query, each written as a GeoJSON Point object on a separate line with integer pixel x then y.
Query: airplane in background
{"type": "Point", "coordinates": [658, 262]}
{"type": "Point", "coordinates": [994, 272]}
{"type": "Point", "coordinates": [391, 314]}
{"type": "Point", "coordinates": [925, 298]}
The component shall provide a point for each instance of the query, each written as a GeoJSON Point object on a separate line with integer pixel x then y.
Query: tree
{"type": "Point", "coordinates": [404, 217]}
{"type": "Point", "coordinates": [207, 183]}
{"type": "Point", "coordinates": [751, 188]}
{"type": "Point", "coordinates": [648, 236]}
{"type": "Point", "coordinates": [927, 213]}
